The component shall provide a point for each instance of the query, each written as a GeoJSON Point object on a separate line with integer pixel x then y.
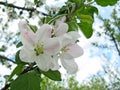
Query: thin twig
{"type": "Point", "coordinates": [3, 57]}
{"type": "Point", "coordinates": [6, 87]}
{"type": "Point", "coordinates": [22, 8]}
{"type": "Point", "coordinates": [113, 38]}
{"type": "Point", "coordinates": [11, 5]}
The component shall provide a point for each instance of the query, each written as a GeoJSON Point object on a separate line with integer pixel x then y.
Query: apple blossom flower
{"type": "Point", "coordinates": [69, 49]}
{"type": "Point", "coordinates": [38, 47]}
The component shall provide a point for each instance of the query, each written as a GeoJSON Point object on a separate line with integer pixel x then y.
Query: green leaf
{"type": "Point", "coordinates": [86, 14]}
{"type": "Point", "coordinates": [54, 75]}
{"type": "Point", "coordinates": [92, 10]}
{"type": "Point", "coordinates": [16, 71]}
{"type": "Point", "coordinates": [72, 26]}
{"type": "Point", "coordinates": [56, 17]}
{"type": "Point", "coordinates": [17, 59]}
{"type": "Point", "coordinates": [27, 81]}
{"type": "Point", "coordinates": [106, 2]}
{"type": "Point", "coordinates": [36, 1]}
{"type": "Point", "coordinates": [3, 48]}
{"type": "Point", "coordinates": [19, 44]}
{"type": "Point", "coordinates": [86, 18]}
{"type": "Point", "coordinates": [33, 27]}
{"type": "Point", "coordinates": [86, 29]}
{"type": "Point", "coordinates": [76, 1]}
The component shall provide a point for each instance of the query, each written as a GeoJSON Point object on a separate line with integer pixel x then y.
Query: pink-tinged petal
{"type": "Point", "coordinates": [43, 33]}
{"type": "Point", "coordinates": [44, 62]}
{"type": "Point", "coordinates": [62, 29]}
{"type": "Point", "coordinates": [70, 65]}
{"type": "Point", "coordinates": [60, 20]}
{"type": "Point", "coordinates": [74, 50]}
{"type": "Point", "coordinates": [27, 35]}
{"type": "Point", "coordinates": [27, 55]}
{"type": "Point", "coordinates": [52, 46]}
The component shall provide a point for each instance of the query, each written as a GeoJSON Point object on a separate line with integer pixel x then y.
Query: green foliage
{"type": "Point", "coordinates": [16, 71]}
{"type": "Point", "coordinates": [106, 2]}
{"type": "Point", "coordinates": [18, 60]}
{"type": "Point", "coordinates": [27, 81]}
{"type": "Point", "coordinates": [3, 48]}
{"type": "Point", "coordinates": [86, 29]}
{"type": "Point", "coordinates": [47, 84]}
{"type": "Point", "coordinates": [19, 44]}
{"type": "Point", "coordinates": [33, 27]}
{"type": "Point", "coordinates": [54, 75]}
{"type": "Point", "coordinates": [73, 26]}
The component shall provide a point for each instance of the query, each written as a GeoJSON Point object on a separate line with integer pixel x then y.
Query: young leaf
{"type": "Point", "coordinates": [55, 17]}
{"type": "Point", "coordinates": [27, 81]}
{"type": "Point", "coordinates": [106, 2]}
{"type": "Point", "coordinates": [86, 29]}
{"type": "Point", "coordinates": [17, 59]}
{"type": "Point", "coordinates": [54, 75]}
{"type": "Point", "coordinates": [33, 27]}
{"type": "Point", "coordinates": [92, 10]}
{"type": "Point", "coordinates": [19, 44]}
{"type": "Point", "coordinates": [72, 26]}
{"type": "Point", "coordinates": [16, 71]}
{"type": "Point", "coordinates": [86, 18]}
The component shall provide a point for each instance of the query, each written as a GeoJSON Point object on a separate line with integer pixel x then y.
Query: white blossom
{"type": "Point", "coordinates": [38, 47]}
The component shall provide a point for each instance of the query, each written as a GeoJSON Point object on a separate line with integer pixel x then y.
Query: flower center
{"type": "Point", "coordinates": [39, 49]}
{"type": "Point", "coordinates": [65, 49]}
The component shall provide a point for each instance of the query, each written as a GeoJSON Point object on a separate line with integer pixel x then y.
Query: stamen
{"type": "Point", "coordinates": [65, 49]}
{"type": "Point", "coordinates": [39, 49]}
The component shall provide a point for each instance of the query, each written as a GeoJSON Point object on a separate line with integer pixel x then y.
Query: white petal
{"type": "Point", "coordinates": [74, 35]}
{"type": "Point", "coordinates": [60, 20]}
{"type": "Point", "coordinates": [64, 40]}
{"type": "Point", "coordinates": [43, 33]}
{"type": "Point", "coordinates": [27, 35]}
{"type": "Point", "coordinates": [66, 55]}
{"type": "Point", "coordinates": [70, 65]}
{"type": "Point", "coordinates": [62, 29]}
{"type": "Point", "coordinates": [75, 50]}
{"type": "Point", "coordinates": [52, 45]}
{"type": "Point", "coordinates": [27, 55]}
{"type": "Point", "coordinates": [44, 62]}
{"type": "Point", "coordinates": [55, 65]}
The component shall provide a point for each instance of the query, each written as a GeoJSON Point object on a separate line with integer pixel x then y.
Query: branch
{"type": "Point", "coordinates": [13, 6]}
{"type": "Point", "coordinates": [6, 87]}
{"type": "Point", "coordinates": [113, 38]}
{"type": "Point", "coordinates": [22, 8]}
{"type": "Point", "coordinates": [3, 57]}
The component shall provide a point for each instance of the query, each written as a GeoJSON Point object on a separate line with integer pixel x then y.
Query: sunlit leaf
{"type": "Point", "coordinates": [72, 26]}
{"type": "Point", "coordinates": [86, 18]}
{"type": "Point", "coordinates": [54, 75]}
{"type": "Point", "coordinates": [86, 29]}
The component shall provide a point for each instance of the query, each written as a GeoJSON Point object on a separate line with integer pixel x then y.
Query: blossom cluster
{"type": "Point", "coordinates": [48, 45]}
